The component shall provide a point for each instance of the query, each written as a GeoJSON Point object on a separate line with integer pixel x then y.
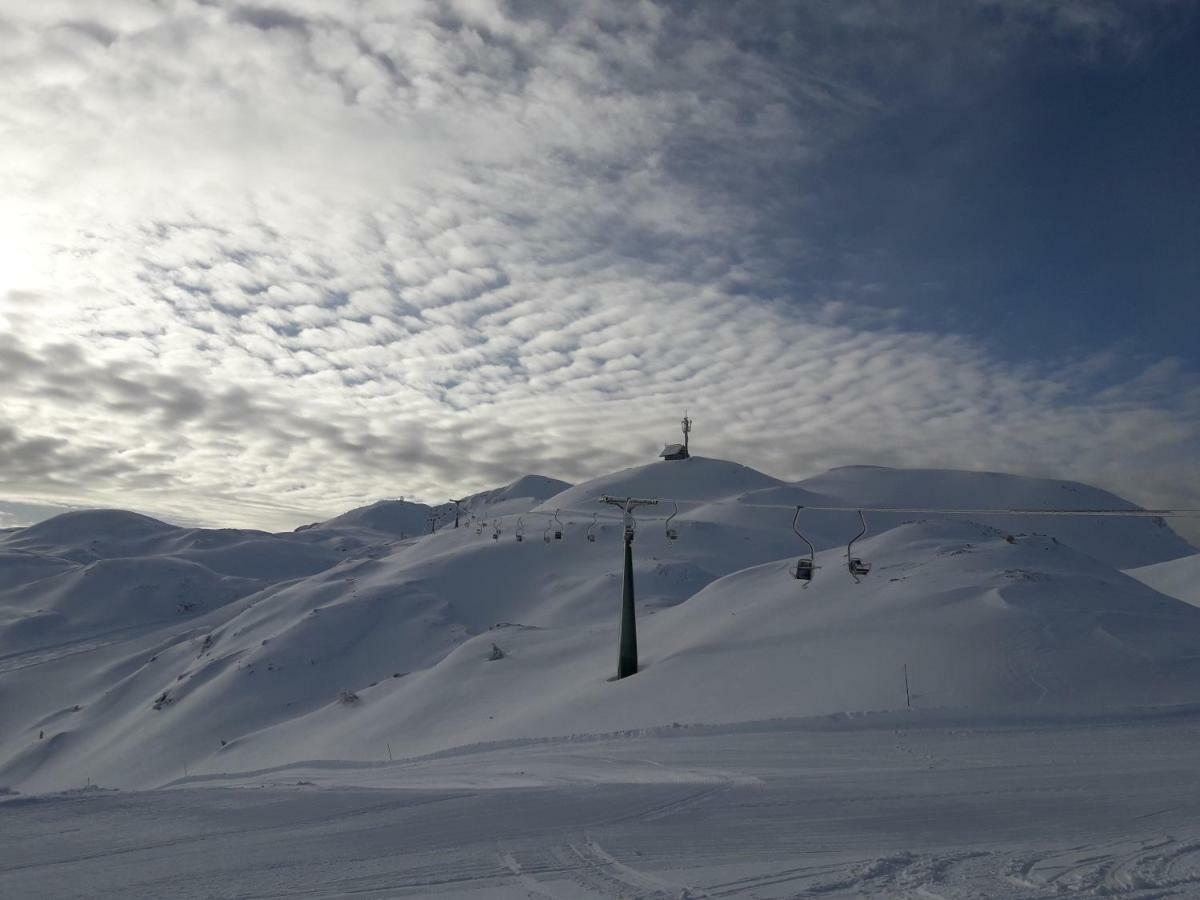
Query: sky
{"type": "Point", "coordinates": [260, 263]}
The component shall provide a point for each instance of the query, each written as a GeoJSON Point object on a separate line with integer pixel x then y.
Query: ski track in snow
{"type": "Point", "coordinates": [1016, 813]}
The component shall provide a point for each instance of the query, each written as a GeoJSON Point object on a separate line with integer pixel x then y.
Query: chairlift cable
{"type": "Point", "coordinates": [1174, 513]}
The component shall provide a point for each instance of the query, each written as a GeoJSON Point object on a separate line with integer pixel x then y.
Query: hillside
{"type": "Point", "coordinates": [1123, 543]}
{"type": "Point", "coordinates": [136, 648]}
{"type": "Point", "coordinates": [1178, 578]}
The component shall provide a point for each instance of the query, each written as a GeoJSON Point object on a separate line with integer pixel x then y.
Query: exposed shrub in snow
{"type": "Point", "coordinates": [348, 697]}
{"type": "Point", "coordinates": [496, 653]}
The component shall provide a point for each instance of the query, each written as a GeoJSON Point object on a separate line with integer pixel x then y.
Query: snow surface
{"type": "Point", "coordinates": [1119, 542]}
{"type": "Point", "coordinates": [920, 805]}
{"type": "Point", "coordinates": [1178, 578]}
{"type": "Point", "coordinates": [133, 652]}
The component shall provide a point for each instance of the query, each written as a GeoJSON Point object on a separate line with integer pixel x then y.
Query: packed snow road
{"type": "Point", "coordinates": [926, 805]}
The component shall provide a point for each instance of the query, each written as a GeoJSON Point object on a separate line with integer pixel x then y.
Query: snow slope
{"type": "Point", "coordinates": [1122, 543]}
{"type": "Point", "coordinates": [921, 805]}
{"type": "Point", "coordinates": [391, 517]}
{"type": "Point", "coordinates": [135, 648]}
{"type": "Point", "coordinates": [405, 519]}
{"type": "Point", "coordinates": [522, 495]}
{"type": "Point", "coordinates": [1178, 578]}
{"type": "Point", "coordinates": [694, 479]}
{"type": "Point", "coordinates": [978, 622]}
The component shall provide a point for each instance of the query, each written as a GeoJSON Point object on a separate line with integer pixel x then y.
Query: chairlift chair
{"type": "Point", "coordinates": [672, 533]}
{"type": "Point", "coordinates": [803, 571]}
{"type": "Point", "coordinates": [496, 530]}
{"type": "Point", "coordinates": [520, 529]}
{"type": "Point", "coordinates": [805, 566]}
{"type": "Point", "coordinates": [558, 527]}
{"type": "Point", "coordinates": [858, 567]}
{"type": "Point", "coordinates": [855, 565]}
{"type": "Point", "coordinates": [591, 532]}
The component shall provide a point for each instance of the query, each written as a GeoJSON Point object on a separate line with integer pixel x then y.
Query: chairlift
{"type": "Point", "coordinates": [520, 529]}
{"type": "Point", "coordinates": [630, 526]}
{"type": "Point", "coordinates": [672, 533]}
{"type": "Point", "coordinates": [479, 526]}
{"type": "Point", "coordinates": [558, 527]}
{"type": "Point", "coordinates": [591, 532]}
{"type": "Point", "coordinates": [496, 530]}
{"type": "Point", "coordinates": [546, 534]}
{"type": "Point", "coordinates": [854, 564]}
{"type": "Point", "coordinates": [805, 566]}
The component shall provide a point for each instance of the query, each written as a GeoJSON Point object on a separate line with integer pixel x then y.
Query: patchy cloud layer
{"type": "Point", "coordinates": [260, 262]}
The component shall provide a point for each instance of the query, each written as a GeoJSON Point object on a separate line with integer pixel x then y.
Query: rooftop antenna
{"type": "Point", "coordinates": [687, 429]}
{"type": "Point", "coordinates": [458, 509]}
{"type": "Point", "coordinates": [627, 656]}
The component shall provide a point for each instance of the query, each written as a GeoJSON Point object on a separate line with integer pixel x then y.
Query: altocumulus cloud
{"type": "Point", "coordinates": [261, 262]}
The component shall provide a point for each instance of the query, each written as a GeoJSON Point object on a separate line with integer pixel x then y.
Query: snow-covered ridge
{"type": "Point", "coordinates": [1178, 578]}
{"type": "Point", "coordinates": [136, 647]}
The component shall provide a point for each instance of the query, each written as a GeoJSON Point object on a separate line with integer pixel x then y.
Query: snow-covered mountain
{"type": "Point", "coordinates": [404, 519]}
{"type": "Point", "coordinates": [130, 648]}
{"type": "Point", "coordinates": [1122, 542]}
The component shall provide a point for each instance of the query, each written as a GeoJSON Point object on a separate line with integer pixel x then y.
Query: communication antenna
{"type": "Point", "coordinates": [687, 429]}
{"type": "Point", "coordinates": [855, 565]}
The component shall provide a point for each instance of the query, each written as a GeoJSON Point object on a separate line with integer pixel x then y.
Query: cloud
{"type": "Point", "coordinates": [279, 259]}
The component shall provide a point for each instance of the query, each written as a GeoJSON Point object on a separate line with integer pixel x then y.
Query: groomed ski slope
{"type": "Point", "coordinates": [913, 805]}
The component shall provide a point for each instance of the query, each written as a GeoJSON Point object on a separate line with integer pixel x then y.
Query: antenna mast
{"type": "Point", "coordinates": [687, 429]}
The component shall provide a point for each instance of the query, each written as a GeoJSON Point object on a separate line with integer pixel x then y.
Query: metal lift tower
{"type": "Point", "coordinates": [627, 656]}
